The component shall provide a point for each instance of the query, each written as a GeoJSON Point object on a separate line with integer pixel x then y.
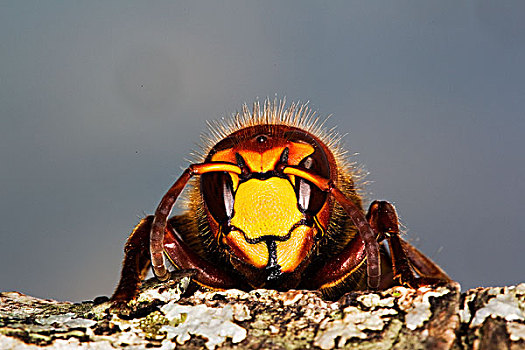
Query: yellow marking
{"type": "Point", "coordinates": [235, 181]}
{"type": "Point", "coordinates": [171, 260]}
{"type": "Point", "coordinates": [219, 237]}
{"type": "Point", "coordinates": [299, 151]}
{"type": "Point", "coordinates": [265, 160]}
{"type": "Point", "coordinates": [319, 226]}
{"type": "Point", "coordinates": [255, 160]}
{"type": "Point", "coordinates": [254, 254]}
{"type": "Point", "coordinates": [227, 155]}
{"type": "Point", "coordinates": [291, 253]}
{"type": "Point", "coordinates": [213, 289]}
{"type": "Point", "coordinates": [265, 207]}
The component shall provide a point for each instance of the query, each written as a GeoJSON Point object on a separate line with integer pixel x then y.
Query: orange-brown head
{"type": "Point", "coordinates": [267, 221]}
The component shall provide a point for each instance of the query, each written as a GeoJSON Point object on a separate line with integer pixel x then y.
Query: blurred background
{"type": "Point", "coordinates": [102, 102]}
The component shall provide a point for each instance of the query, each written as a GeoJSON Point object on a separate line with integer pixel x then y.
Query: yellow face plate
{"type": "Point", "coordinates": [265, 208]}
{"type": "Point", "coordinates": [269, 208]}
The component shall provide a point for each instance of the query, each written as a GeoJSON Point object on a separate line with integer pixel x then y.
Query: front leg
{"type": "Point", "coordinates": [137, 261]}
{"type": "Point", "coordinates": [406, 259]}
{"type": "Point", "coordinates": [207, 275]}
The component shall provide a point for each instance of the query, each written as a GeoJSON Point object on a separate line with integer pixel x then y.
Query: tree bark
{"type": "Point", "coordinates": [168, 316]}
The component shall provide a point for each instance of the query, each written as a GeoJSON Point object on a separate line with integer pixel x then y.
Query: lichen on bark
{"type": "Point", "coordinates": [167, 316]}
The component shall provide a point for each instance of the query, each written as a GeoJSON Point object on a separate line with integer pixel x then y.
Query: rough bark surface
{"type": "Point", "coordinates": [167, 316]}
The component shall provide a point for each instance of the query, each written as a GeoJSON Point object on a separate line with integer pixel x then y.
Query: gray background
{"type": "Point", "coordinates": [101, 103]}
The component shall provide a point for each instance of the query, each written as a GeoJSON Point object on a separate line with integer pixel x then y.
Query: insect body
{"type": "Point", "coordinates": [274, 206]}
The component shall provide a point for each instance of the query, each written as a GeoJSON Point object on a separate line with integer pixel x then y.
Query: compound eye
{"type": "Point", "coordinates": [310, 198]}
{"type": "Point", "coordinates": [217, 192]}
{"type": "Point", "coordinates": [304, 189]}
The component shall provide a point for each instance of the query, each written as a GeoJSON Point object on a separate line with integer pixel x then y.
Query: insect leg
{"type": "Point", "coordinates": [339, 268]}
{"type": "Point", "coordinates": [367, 234]}
{"type": "Point", "coordinates": [136, 262]}
{"type": "Point", "coordinates": [383, 219]}
{"type": "Point", "coordinates": [206, 274]}
{"type": "Point", "coordinates": [158, 226]}
{"type": "Point", "coordinates": [406, 259]}
{"type": "Point", "coordinates": [428, 270]}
